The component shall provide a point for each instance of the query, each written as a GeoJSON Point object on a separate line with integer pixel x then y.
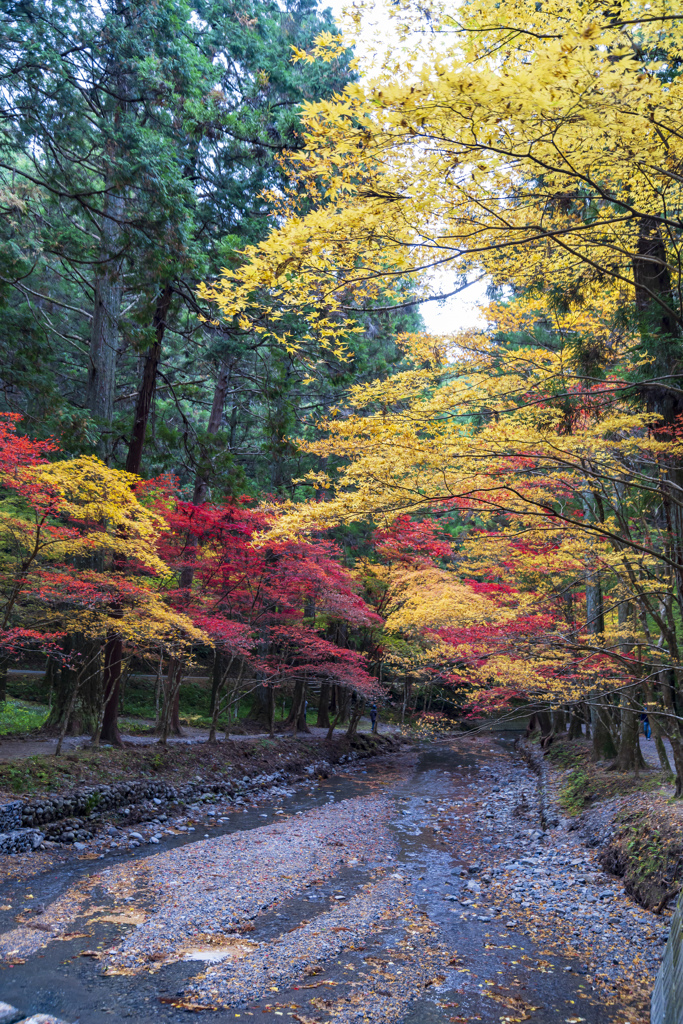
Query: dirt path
{"type": "Point", "coordinates": [650, 754]}
{"type": "Point", "coordinates": [15, 748]}
{"type": "Point", "coordinates": [416, 888]}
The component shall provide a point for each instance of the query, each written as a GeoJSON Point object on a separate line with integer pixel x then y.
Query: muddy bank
{"type": "Point", "coordinates": [94, 768]}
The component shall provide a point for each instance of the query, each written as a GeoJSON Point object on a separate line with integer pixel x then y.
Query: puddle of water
{"type": "Point", "coordinates": [213, 950]}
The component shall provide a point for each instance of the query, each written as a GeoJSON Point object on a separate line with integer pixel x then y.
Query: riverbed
{"type": "Point", "coordinates": [388, 892]}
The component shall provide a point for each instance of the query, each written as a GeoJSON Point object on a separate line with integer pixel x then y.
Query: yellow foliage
{"type": "Point", "coordinates": [114, 523]}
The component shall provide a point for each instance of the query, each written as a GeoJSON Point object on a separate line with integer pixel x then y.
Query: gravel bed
{"type": "Point", "coordinates": [292, 956]}
{"type": "Point", "coordinates": [376, 987]}
{"type": "Point", "coordinates": [217, 886]}
{"type": "Point", "coordinates": [211, 887]}
{"type": "Point", "coordinates": [553, 886]}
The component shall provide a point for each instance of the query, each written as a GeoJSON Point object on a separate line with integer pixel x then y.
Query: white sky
{"type": "Point", "coordinates": [454, 314]}
{"type": "Point", "coordinates": [460, 311]}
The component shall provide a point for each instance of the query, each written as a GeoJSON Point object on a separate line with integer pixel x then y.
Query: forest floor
{"type": "Point", "coordinates": [36, 744]}
{"type": "Point", "coordinates": [419, 887]}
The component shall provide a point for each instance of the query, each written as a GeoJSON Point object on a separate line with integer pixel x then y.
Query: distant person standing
{"type": "Point", "coordinates": [373, 717]}
{"type": "Point", "coordinates": [647, 731]}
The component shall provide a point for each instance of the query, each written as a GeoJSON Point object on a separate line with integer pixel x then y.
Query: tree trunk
{"type": "Point", "coordinates": [175, 715]}
{"type": "Point", "coordinates": [575, 722]}
{"type": "Point", "coordinates": [301, 723]}
{"type": "Point", "coordinates": [343, 700]}
{"type": "Point", "coordinates": [216, 684]}
{"type": "Point", "coordinates": [294, 711]}
{"type": "Point", "coordinates": [603, 744]}
{"type": "Point", "coordinates": [62, 685]}
{"type": "Point", "coordinates": [49, 680]}
{"type": "Point", "coordinates": [260, 708]}
{"type": "Point", "coordinates": [595, 616]}
{"type": "Point", "coordinates": [672, 727]}
{"type": "Point", "coordinates": [68, 712]}
{"type": "Point", "coordinates": [629, 757]}
{"type": "Point", "coordinates": [104, 337]}
{"type": "Point", "coordinates": [157, 692]}
{"type": "Point", "coordinates": [170, 720]}
{"type": "Point", "coordinates": [323, 720]}
{"type": "Point", "coordinates": [677, 750]}
{"type": "Point", "coordinates": [148, 384]}
{"type": "Point", "coordinates": [333, 726]}
{"type": "Point", "coordinates": [654, 302]}
{"type": "Point", "coordinates": [559, 721]}
{"type": "Point", "coordinates": [216, 678]}
{"type": "Point", "coordinates": [201, 480]}
{"type": "Point", "coordinates": [542, 721]}
{"type": "Point", "coordinates": [659, 744]}
{"type": "Point", "coordinates": [356, 716]}
{"type": "Point", "coordinates": [585, 710]}
{"type": "Point", "coordinates": [271, 711]}
{"type": "Point", "coordinates": [113, 653]}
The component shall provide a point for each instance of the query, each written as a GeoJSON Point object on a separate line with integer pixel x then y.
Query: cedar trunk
{"type": "Point", "coordinates": [148, 384]}
{"type": "Point", "coordinates": [323, 720]}
{"type": "Point", "coordinates": [201, 481]}
{"type": "Point", "coordinates": [104, 336]}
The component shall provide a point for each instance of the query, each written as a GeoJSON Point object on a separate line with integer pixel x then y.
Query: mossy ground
{"type": "Point", "coordinates": [19, 716]}
{"type": "Point", "coordinates": [581, 783]}
{"type": "Point", "coordinates": [646, 849]}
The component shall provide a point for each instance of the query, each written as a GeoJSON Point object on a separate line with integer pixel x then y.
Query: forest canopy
{"type": "Point", "coordinates": [227, 435]}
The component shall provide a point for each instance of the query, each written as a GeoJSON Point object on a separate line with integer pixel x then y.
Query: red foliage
{"type": "Point", "coordinates": [17, 451]}
{"type": "Point", "coordinates": [17, 641]}
{"type": "Point", "coordinates": [417, 543]}
{"type": "Point", "coordinates": [252, 597]}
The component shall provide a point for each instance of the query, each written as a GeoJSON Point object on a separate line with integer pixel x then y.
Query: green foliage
{"type": "Point", "coordinates": [18, 717]}
{"type": "Point", "coordinates": [92, 802]}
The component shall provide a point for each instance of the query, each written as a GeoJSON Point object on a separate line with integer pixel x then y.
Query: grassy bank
{"type": "Point", "coordinates": [581, 783]}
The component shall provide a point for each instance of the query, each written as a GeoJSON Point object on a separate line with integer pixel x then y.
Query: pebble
{"type": "Point", "coordinates": [556, 881]}
{"type": "Point", "coordinates": [220, 884]}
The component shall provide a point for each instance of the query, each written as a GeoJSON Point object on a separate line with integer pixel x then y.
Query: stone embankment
{"type": "Point", "coordinates": [76, 818]}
